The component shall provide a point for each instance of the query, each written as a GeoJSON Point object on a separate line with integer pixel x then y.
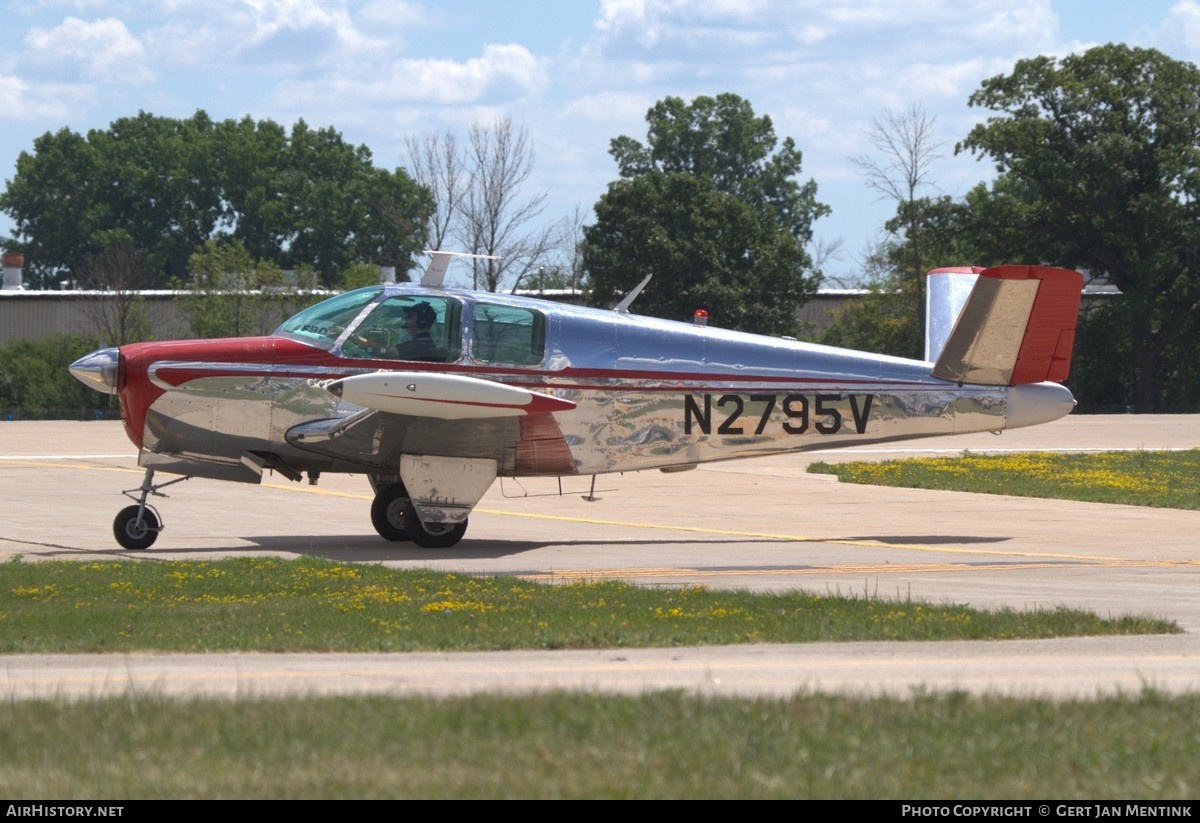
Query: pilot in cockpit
{"type": "Point", "coordinates": [418, 320]}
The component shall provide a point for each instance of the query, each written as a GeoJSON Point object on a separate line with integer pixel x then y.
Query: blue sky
{"type": "Point", "coordinates": [574, 73]}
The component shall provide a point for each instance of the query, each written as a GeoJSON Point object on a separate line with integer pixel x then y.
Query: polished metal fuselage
{"type": "Point", "coordinates": [648, 393]}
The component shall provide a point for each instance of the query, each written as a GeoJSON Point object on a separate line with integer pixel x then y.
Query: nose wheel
{"type": "Point", "coordinates": [137, 527]}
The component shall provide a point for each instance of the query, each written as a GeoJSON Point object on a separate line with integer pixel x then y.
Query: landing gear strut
{"type": "Point", "coordinates": [137, 527]}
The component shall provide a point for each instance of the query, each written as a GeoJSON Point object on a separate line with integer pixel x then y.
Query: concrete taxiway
{"type": "Point", "coordinates": [764, 524]}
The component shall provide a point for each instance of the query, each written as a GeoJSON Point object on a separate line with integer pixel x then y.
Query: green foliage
{"type": "Point", "coordinates": [1102, 372]}
{"type": "Point", "coordinates": [357, 276]}
{"type": "Point", "coordinates": [165, 187]}
{"type": "Point", "coordinates": [222, 297]}
{"type": "Point", "coordinates": [35, 383]}
{"type": "Point", "coordinates": [706, 249]}
{"type": "Point", "coordinates": [925, 234]}
{"type": "Point", "coordinates": [547, 278]}
{"type": "Point", "coordinates": [720, 140]}
{"type": "Point", "coordinates": [712, 210]}
{"type": "Point", "coordinates": [888, 318]}
{"type": "Point", "coordinates": [306, 278]}
{"type": "Point", "coordinates": [1101, 172]}
{"type": "Point", "coordinates": [884, 320]}
{"type": "Point", "coordinates": [229, 294]}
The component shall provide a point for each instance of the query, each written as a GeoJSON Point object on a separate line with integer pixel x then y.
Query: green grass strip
{"type": "Point", "coordinates": [1136, 478]}
{"type": "Point", "coordinates": [311, 604]}
{"type": "Point", "coordinates": [572, 746]}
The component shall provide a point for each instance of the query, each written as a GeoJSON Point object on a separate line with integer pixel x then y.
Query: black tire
{"type": "Point", "coordinates": [132, 535]}
{"type": "Point", "coordinates": [387, 512]}
{"type": "Point", "coordinates": [432, 535]}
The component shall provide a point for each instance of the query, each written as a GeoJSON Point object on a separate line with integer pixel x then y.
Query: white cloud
{"type": "Point", "coordinates": [99, 51]}
{"type": "Point", "coordinates": [1182, 29]}
{"type": "Point", "coordinates": [190, 42]}
{"type": "Point", "coordinates": [396, 14]}
{"type": "Point", "coordinates": [296, 31]}
{"type": "Point", "coordinates": [21, 102]}
{"type": "Point", "coordinates": [607, 107]}
{"type": "Point", "coordinates": [278, 37]}
{"type": "Point", "coordinates": [17, 103]}
{"type": "Point", "coordinates": [501, 73]}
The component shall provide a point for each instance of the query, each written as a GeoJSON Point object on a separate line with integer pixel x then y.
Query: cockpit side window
{"type": "Point", "coordinates": [419, 328]}
{"type": "Point", "coordinates": [507, 334]}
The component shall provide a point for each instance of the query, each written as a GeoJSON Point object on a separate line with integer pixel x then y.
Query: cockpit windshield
{"type": "Point", "coordinates": [323, 323]}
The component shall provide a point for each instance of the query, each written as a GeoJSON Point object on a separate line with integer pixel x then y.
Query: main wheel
{"type": "Point", "coordinates": [432, 535]}
{"type": "Point", "coordinates": [387, 512]}
{"type": "Point", "coordinates": [133, 535]}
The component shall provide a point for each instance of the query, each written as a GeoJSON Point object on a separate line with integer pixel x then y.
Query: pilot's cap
{"type": "Point", "coordinates": [423, 312]}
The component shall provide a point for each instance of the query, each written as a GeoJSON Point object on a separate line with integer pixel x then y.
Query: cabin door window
{"type": "Point", "coordinates": [507, 334]}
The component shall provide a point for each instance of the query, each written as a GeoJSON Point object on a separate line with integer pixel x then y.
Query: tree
{"type": "Point", "coordinates": [35, 383]}
{"type": "Point", "coordinates": [495, 217]}
{"type": "Point", "coordinates": [906, 146]}
{"type": "Point", "coordinates": [134, 184]}
{"type": "Point", "coordinates": [571, 244]}
{"type": "Point", "coordinates": [436, 162]}
{"type": "Point", "coordinates": [881, 320]}
{"type": "Point", "coordinates": [1102, 148]}
{"type": "Point", "coordinates": [889, 318]}
{"type": "Point", "coordinates": [164, 187]}
{"type": "Point", "coordinates": [478, 205]}
{"type": "Point", "coordinates": [120, 272]}
{"type": "Point", "coordinates": [344, 209]}
{"type": "Point", "coordinates": [225, 296]}
{"type": "Point", "coordinates": [709, 206]}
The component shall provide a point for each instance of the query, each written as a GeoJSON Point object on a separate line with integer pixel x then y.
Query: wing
{"type": "Point", "coordinates": [444, 396]}
{"type": "Point", "coordinates": [440, 414]}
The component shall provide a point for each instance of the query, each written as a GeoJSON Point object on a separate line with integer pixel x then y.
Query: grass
{"type": "Point", "coordinates": [314, 605]}
{"type": "Point", "coordinates": [1138, 478]}
{"type": "Point", "coordinates": [575, 746]}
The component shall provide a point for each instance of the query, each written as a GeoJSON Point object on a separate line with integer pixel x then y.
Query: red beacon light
{"type": "Point", "coordinates": [700, 318]}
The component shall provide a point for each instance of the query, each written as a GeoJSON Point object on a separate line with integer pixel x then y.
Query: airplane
{"type": "Point", "coordinates": [512, 386]}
